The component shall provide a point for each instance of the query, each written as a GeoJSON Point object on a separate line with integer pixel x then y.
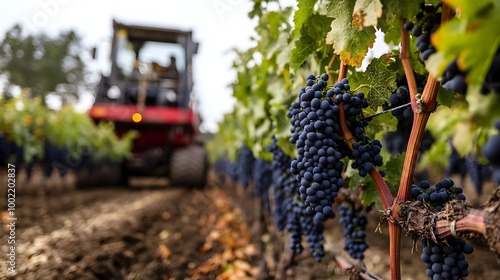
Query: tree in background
{"type": "Point", "coordinates": [41, 65]}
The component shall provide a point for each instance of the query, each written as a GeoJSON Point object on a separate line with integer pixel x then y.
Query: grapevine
{"type": "Point", "coordinates": [354, 223]}
{"type": "Point", "coordinates": [331, 132]}
{"type": "Point", "coordinates": [39, 139]}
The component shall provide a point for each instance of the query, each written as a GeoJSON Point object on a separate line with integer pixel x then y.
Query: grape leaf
{"type": "Point", "coordinates": [370, 195]}
{"type": "Point", "coordinates": [392, 11]}
{"type": "Point", "coordinates": [484, 108]}
{"type": "Point", "coordinates": [445, 97]}
{"type": "Point", "coordinates": [463, 139]}
{"type": "Point", "coordinates": [305, 9]}
{"type": "Point", "coordinates": [284, 52]}
{"type": "Point", "coordinates": [393, 170]}
{"type": "Point", "coordinates": [468, 9]}
{"type": "Point", "coordinates": [367, 12]}
{"type": "Point", "coordinates": [348, 41]}
{"type": "Point", "coordinates": [473, 41]}
{"type": "Point", "coordinates": [379, 78]}
{"type": "Point", "coordinates": [311, 39]}
{"type": "Point", "coordinates": [380, 125]}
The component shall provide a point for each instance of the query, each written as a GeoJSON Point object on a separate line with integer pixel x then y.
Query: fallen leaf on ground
{"type": "Point", "coordinates": [164, 252]}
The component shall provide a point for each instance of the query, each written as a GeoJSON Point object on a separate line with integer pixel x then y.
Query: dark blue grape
{"type": "Point", "coordinates": [445, 258]}
{"type": "Point", "coordinates": [245, 163]}
{"type": "Point", "coordinates": [354, 223]}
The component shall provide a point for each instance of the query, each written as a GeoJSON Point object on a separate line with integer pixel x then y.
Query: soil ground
{"type": "Point", "coordinates": [157, 231]}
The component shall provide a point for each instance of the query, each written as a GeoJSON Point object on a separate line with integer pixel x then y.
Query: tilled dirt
{"type": "Point", "coordinates": [107, 233]}
{"type": "Point", "coordinates": [171, 232]}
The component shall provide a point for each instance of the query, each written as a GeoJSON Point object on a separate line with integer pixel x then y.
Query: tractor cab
{"type": "Point", "coordinates": [148, 90]}
{"type": "Point", "coordinates": [149, 67]}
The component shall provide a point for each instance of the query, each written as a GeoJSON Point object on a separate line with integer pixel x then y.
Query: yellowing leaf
{"type": "Point", "coordinates": [204, 269]}
{"type": "Point", "coordinates": [463, 140]}
{"type": "Point", "coordinates": [367, 12]}
{"type": "Point", "coordinates": [468, 8]}
{"type": "Point", "coordinates": [348, 41]}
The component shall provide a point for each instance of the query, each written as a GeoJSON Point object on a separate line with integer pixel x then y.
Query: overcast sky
{"type": "Point", "coordinates": [218, 25]}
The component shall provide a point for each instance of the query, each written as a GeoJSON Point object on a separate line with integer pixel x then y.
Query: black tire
{"type": "Point", "coordinates": [188, 167]}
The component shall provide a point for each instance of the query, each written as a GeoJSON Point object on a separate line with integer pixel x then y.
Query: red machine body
{"type": "Point", "coordinates": [149, 90]}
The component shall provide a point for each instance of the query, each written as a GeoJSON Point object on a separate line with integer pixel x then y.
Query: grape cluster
{"type": "Point", "coordinates": [366, 152]}
{"type": "Point", "coordinates": [468, 165]}
{"type": "Point", "coordinates": [316, 132]}
{"type": "Point", "coordinates": [293, 227]}
{"type": "Point", "coordinates": [401, 96]}
{"type": "Point", "coordinates": [397, 141]}
{"type": "Point", "coordinates": [454, 78]}
{"type": "Point", "coordinates": [398, 98]}
{"type": "Point", "coordinates": [300, 223]}
{"type": "Point", "coordinates": [427, 22]}
{"type": "Point", "coordinates": [262, 178]}
{"type": "Point", "coordinates": [437, 196]}
{"type": "Point", "coordinates": [289, 211]}
{"type": "Point", "coordinates": [353, 107]}
{"type": "Point", "coordinates": [245, 164]}
{"type": "Point", "coordinates": [366, 156]}
{"type": "Point", "coordinates": [315, 128]}
{"type": "Point", "coordinates": [492, 80]}
{"type": "Point", "coordinates": [281, 182]}
{"type": "Point", "coordinates": [354, 223]}
{"type": "Point", "coordinates": [491, 150]}
{"type": "Point", "coordinates": [446, 261]}
{"type": "Point", "coordinates": [313, 230]}
{"type": "Point", "coordinates": [443, 260]}
{"type": "Point", "coordinates": [224, 166]}
{"type": "Point", "coordinates": [479, 173]}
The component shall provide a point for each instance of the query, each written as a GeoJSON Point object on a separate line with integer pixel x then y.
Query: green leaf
{"type": "Point", "coordinates": [445, 97]}
{"type": "Point", "coordinates": [484, 108]}
{"type": "Point", "coordinates": [393, 170]}
{"type": "Point", "coordinates": [370, 196]}
{"type": "Point", "coordinates": [472, 40]}
{"type": "Point", "coordinates": [380, 125]}
{"type": "Point", "coordinates": [392, 11]}
{"type": "Point", "coordinates": [468, 9]}
{"type": "Point", "coordinates": [305, 8]}
{"type": "Point", "coordinates": [348, 40]}
{"type": "Point", "coordinates": [311, 39]}
{"type": "Point", "coordinates": [285, 54]}
{"type": "Point", "coordinates": [378, 81]}
{"type": "Point", "coordinates": [367, 12]}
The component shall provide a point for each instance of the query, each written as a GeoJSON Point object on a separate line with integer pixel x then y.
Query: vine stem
{"type": "Point", "coordinates": [421, 114]}
{"type": "Point", "coordinates": [405, 57]}
{"type": "Point", "coordinates": [330, 65]}
{"type": "Point", "coordinates": [381, 185]}
{"type": "Point", "coordinates": [473, 222]}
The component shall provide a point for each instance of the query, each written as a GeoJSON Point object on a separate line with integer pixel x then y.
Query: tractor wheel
{"type": "Point", "coordinates": [188, 167]}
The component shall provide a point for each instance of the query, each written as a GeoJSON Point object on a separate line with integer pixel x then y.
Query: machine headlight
{"type": "Point", "coordinates": [171, 95]}
{"type": "Point", "coordinates": [114, 92]}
